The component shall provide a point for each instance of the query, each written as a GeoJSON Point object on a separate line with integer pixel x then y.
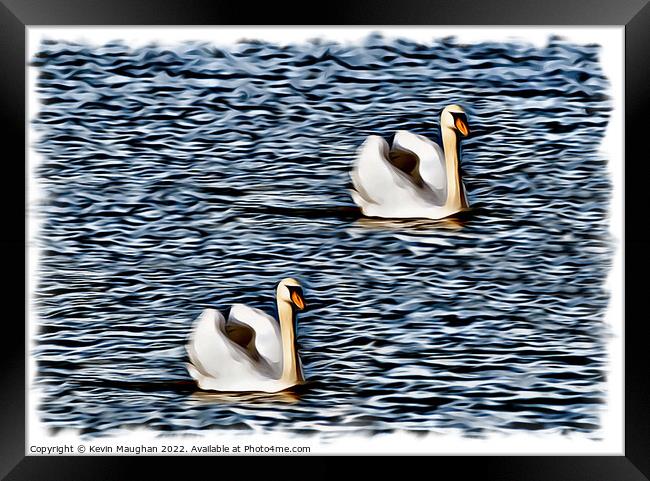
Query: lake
{"type": "Point", "coordinates": [177, 179]}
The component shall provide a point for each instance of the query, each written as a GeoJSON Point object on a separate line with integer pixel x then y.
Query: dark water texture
{"type": "Point", "coordinates": [193, 177]}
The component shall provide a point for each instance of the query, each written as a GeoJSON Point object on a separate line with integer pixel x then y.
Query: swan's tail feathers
{"type": "Point", "coordinates": [196, 375]}
{"type": "Point", "coordinates": [360, 195]}
{"type": "Point", "coordinates": [194, 367]}
{"type": "Point", "coordinates": [372, 176]}
{"type": "Point", "coordinates": [205, 347]}
{"type": "Point", "coordinates": [202, 380]}
{"type": "Point", "coordinates": [359, 200]}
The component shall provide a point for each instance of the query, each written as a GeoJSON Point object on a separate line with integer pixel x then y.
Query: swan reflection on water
{"type": "Point", "coordinates": [421, 225]}
{"type": "Point", "coordinates": [257, 398]}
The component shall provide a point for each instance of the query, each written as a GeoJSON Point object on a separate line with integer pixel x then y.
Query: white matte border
{"type": "Point", "coordinates": [611, 40]}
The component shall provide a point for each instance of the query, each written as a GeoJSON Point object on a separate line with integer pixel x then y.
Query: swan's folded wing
{"type": "Point", "coordinates": [374, 178]}
{"type": "Point", "coordinates": [431, 158]}
{"type": "Point", "coordinates": [268, 341]}
{"type": "Point", "coordinates": [210, 352]}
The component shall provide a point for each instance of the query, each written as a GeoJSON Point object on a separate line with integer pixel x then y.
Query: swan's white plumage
{"type": "Point", "coordinates": [376, 181]}
{"type": "Point", "coordinates": [220, 363]}
{"type": "Point", "coordinates": [268, 340]}
{"type": "Point", "coordinates": [212, 353]}
{"type": "Point", "coordinates": [433, 188]}
{"type": "Point", "coordinates": [430, 154]}
{"type": "Point", "coordinates": [378, 174]}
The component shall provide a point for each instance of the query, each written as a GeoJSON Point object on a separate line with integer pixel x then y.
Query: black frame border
{"type": "Point", "coordinates": [634, 15]}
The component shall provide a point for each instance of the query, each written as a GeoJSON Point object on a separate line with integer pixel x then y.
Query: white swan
{"type": "Point", "coordinates": [250, 352]}
{"type": "Point", "coordinates": [416, 178]}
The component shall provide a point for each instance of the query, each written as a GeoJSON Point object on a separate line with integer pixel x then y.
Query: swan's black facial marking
{"type": "Point", "coordinates": [460, 122]}
{"type": "Point", "coordinates": [297, 297]}
{"type": "Point", "coordinates": [459, 115]}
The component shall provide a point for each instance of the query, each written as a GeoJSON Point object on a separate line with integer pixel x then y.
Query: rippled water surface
{"type": "Point", "coordinates": [182, 178]}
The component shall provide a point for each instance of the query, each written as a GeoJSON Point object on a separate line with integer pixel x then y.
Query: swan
{"type": "Point", "coordinates": [250, 352]}
{"type": "Point", "coordinates": [416, 178]}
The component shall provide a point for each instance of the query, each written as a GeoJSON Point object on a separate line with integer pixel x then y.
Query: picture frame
{"type": "Point", "coordinates": [17, 15]}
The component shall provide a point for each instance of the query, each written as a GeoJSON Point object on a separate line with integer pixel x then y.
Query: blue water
{"type": "Point", "coordinates": [192, 177]}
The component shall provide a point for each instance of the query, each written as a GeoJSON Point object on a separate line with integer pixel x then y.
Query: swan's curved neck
{"type": "Point", "coordinates": [291, 370]}
{"type": "Point", "coordinates": [451, 146]}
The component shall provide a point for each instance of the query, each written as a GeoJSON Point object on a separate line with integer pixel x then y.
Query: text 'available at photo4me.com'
{"type": "Point", "coordinates": [67, 449]}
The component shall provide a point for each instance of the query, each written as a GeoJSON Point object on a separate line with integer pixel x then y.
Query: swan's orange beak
{"type": "Point", "coordinates": [298, 300]}
{"type": "Point", "coordinates": [462, 127]}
